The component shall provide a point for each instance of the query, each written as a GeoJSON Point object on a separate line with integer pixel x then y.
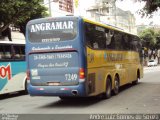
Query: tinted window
{"type": "Point", "coordinates": [110, 39]}
{"type": "Point", "coordinates": [12, 52]}
{"type": "Point", "coordinates": [19, 52]}
{"type": "Point", "coordinates": [95, 36]}
{"type": "Point", "coordinates": [1, 52]}
{"type": "Point", "coordinates": [98, 37]}
{"type": "Point", "coordinates": [126, 42]}
{"type": "Point", "coordinates": [7, 52]}
{"type": "Point", "coordinates": [119, 43]}
{"type": "Point", "coordinates": [53, 31]}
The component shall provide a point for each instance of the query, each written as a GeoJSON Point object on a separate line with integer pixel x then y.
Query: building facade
{"type": "Point", "coordinates": [59, 7]}
{"type": "Point", "coordinates": [105, 11]}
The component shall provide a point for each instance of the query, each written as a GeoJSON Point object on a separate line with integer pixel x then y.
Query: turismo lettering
{"type": "Point", "coordinates": [113, 57]}
{"type": "Point", "coordinates": [52, 26]}
{"type": "Point", "coordinates": [5, 72]}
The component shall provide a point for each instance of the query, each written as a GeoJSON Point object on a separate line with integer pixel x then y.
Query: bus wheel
{"type": "Point", "coordinates": [25, 89]}
{"type": "Point", "coordinates": [136, 81]}
{"type": "Point", "coordinates": [107, 94]}
{"type": "Point", "coordinates": [116, 85]}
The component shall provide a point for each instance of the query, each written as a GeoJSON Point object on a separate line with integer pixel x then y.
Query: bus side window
{"type": "Point", "coordinates": [96, 40]}
{"type": "Point", "coordinates": [1, 53]}
{"type": "Point", "coordinates": [22, 55]}
{"type": "Point", "coordinates": [108, 37]}
{"type": "Point", "coordinates": [7, 53]}
{"type": "Point", "coordinates": [95, 45]}
{"type": "Point", "coordinates": [111, 43]}
{"type": "Point", "coordinates": [19, 52]}
{"type": "Point", "coordinates": [133, 44]}
{"type": "Point", "coordinates": [89, 40]}
{"type": "Point", "coordinates": [99, 38]}
{"type": "Point", "coordinates": [89, 34]}
{"type": "Point", "coordinates": [130, 44]}
{"type": "Point", "coordinates": [126, 42]}
{"type": "Point", "coordinates": [136, 44]}
{"type": "Point", "coordinates": [118, 41]}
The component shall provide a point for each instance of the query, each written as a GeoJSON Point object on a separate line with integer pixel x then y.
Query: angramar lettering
{"type": "Point", "coordinates": [52, 26]}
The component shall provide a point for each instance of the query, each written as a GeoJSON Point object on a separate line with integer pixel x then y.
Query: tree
{"type": "Point", "coordinates": [150, 39]}
{"type": "Point", "coordinates": [150, 7]}
{"type": "Point", "coordinates": [39, 13]}
{"type": "Point", "coordinates": [157, 36]}
{"type": "Point", "coordinates": [19, 12]}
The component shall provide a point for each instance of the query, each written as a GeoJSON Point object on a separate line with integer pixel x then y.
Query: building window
{"type": "Point", "coordinates": [66, 5]}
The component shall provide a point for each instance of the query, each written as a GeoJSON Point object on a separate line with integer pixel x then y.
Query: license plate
{"type": "Point", "coordinates": [53, 83]}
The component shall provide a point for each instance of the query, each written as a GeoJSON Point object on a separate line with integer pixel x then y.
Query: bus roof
{"type": "Point", "coordinates": [12, 42]}
{"type": "Point", "coordinates": [106, 26]}
{"type": "Point", "coordinates": [49, 19]}
{"type": "Point", "coordinates": [86, 20]}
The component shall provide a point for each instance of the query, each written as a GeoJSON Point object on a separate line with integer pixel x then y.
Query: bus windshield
{"type": "Point", "coordinates": [52, 31]}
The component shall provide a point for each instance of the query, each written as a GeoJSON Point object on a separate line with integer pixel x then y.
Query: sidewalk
{"type": "Point", "coordinates": [151, 69]}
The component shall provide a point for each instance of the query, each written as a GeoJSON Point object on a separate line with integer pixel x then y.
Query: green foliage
{"type": "Point", "coordinates": [19, 12]}
{"type": "Point", "coordinates": [157, 36]}
{"type": "Point", "coordinates": [150, 7]}
{"type": "Point", "coordinates": [150, 38]}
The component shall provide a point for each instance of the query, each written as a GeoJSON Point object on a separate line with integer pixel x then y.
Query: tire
{"type": "Point", "coordinates": [116, 85]}
{"type": "Point", "coordinates": [107, 93]}
{"type": "Point", "coordinates": [25, 89]}
{"type": "Point", "coordinates": [136, 81]}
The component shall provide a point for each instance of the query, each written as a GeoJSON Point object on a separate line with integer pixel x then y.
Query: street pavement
{"type": "Point", "coordinates": [141, 98]}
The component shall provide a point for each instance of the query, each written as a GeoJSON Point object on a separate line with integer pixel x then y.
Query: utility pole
{"type": "Point", "coordinates": [115, 12]}
{"type": "Point", "coordinates": [49, 3]}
